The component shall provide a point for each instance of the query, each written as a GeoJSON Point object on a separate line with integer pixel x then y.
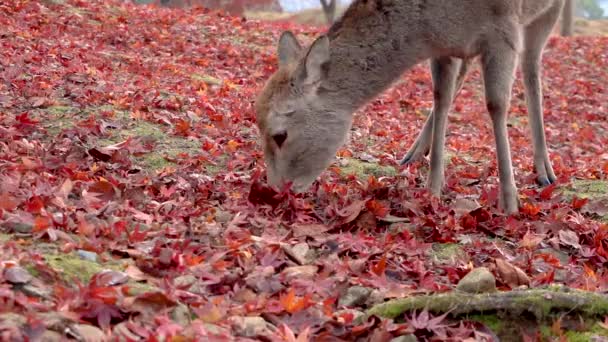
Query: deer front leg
{"type": "Point", "coordinates": [422, 144]}
{"type": "Point", "coordinates": [443, 94]}
{"type": "Point", "coordinates": [499, 73]}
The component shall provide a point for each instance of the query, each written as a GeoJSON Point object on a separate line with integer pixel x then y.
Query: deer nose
{"type": "Point", "coordinates": [280, 138]}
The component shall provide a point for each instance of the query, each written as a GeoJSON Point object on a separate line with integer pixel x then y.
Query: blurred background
{"type": "Point", "coordinates": [590, 16]}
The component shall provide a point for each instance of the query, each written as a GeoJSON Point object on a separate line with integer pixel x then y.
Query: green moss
{"type": "Point", "coordinates": [447, 253]}
{"type": "Point", "coordinates": [207, 79]}
{"type": "Point", "coordinates": [586, 336]}
{"type": "Point", "coordinates": [57, 118]}
{"type": "Point", "coordinates": [586, 188]}
{"type": "Point", "coordinates": [167, 145]}
{"type": "Point", "coordinates": [5, 237]}
{"type": "Point", "coordinates": [59, 110]}
{"type": "Point", "coordinates": [363, 170]}
{"type": "Point", "coordinates": [154, 161]}
{"type": "Point", "coordinates": [536, 303]}
{"type": "Point", "coordinates": [220, 165]}
{"type": "Point", "coordinates": [71, 266]}
{"type": "Point", "coordinates": [493, 322]}
{"type": "Point", "coordinates": [136, 128]}
{"type": "Point", "coordinates": [599, 307]}
{"type": "Point", "coordinates": [546, 332]}
{"type": "Point", "coordinates": [517, 121]}
{"type": "Point", "coordinates": [135, 289]}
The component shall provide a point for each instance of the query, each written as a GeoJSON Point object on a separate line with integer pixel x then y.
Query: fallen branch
{"type": "Point", "coordinates": [539, 302]}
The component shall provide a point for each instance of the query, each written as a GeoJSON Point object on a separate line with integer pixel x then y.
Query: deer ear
{"type": "Point", "coordinates": [316, 61]}
{"type": "Point", "coordinates": [289, 48]}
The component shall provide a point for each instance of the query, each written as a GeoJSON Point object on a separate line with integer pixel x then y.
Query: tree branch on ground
{"type": "Point", "coordinates": [539, 302]}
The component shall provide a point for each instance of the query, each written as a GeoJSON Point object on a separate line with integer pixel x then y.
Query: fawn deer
{"type": "Point", "coordinates": [306, 108]}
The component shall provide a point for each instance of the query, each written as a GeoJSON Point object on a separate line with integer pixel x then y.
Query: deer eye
{"type": "Point", "coordinates": [289, 113]}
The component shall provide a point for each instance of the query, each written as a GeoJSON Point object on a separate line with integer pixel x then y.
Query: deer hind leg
{"type": "Point", "coordinates": [422, 144]}
{"type": "Point", "coordinates": [499, 63]}
{"type": "Point", "coordinates": [536, 35]}
{"type": "Point", "coordinates": [445, 75]}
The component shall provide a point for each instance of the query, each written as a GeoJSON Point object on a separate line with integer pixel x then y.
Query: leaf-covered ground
{"type": "Point", "coordinates": [132, 197]}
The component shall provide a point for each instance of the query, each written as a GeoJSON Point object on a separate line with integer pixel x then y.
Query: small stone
{"type": "Point", "coordinates": [222, 216]}
{"type": "Point", "coordinates": [354, 296]}
{"type": "Point", "coordinates": [10, 319]}
{"type": "Point", "coordinates": [251, 326]}
{"type": "Point", "coordinates": [479, 280]}
{"type": "Point", "coordinates": [376, 297]}
{"type": "Point", "coordinates": [166, 255]}
{"type": "Point", "coordinates": [405, 338]}
{"type": "Point", "coordinates": [51, 336]}
{"type": "Point", "coordinates": [86, 255]}
{"type": "Point", "coordinates": [19, 227]}
{"type": "Point", "coordinates": [17, 275]}
{"type": "Point", "coordinates": [88, 333]}
{"type": "Point", "coordinates": [110, 278]}
{"type": "Point", "coordinates": [36, 291]}
{"type": "Point", "coordinates": [215, 329]}
{"type": "Point", "coordinates": [400, 227]}
{"type": "Point", "coordinates": [55, 322]}
{"type": "Point", "coordinates": [181, 314]}
{"type": "Point", "coordinates": [185, 280]}
{"type": "Point", "coordinates": [245, 295]}
{"type": "Point", "coordinates": [299, 253]}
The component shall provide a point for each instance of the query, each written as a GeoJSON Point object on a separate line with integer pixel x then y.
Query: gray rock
{"type": "Point", "coordinates": [18, 227]}
{"type": "Point", "coordinates": [251, 326]}
{"type": "Point", "coordinates": [184, 280]}
{"type": "Point", "coordinates": [36, 291]}
{"type": "Point", "coordinates": [181, 314]}
{"type": "Point", "coordinates": [375, 297]}
{"type": "Point", "coordinates": [50, 336]}
{"type": "Point", "coordinates": [17, 275]}
{"type": "Point", "coordinates": [479, 280]}
{"type": "Point", "coordinates": [405, 338]}
{"type": "Point", "coordinates": [222, 216]}
{"type": "Point", "coordinates": [86, 255]}
{"type": "Point", "coordinates": [300, 272]}
{"type": "Point", "coordinates": [354, 296]}
{"type": "Point", "coordinates": [88, 333]}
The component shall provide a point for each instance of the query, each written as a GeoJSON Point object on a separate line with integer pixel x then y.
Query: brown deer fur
{"type": "Point", "coordinates": [305, 110]}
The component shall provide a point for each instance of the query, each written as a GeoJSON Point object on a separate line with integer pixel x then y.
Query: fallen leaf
{"type": "Point", "coordinates": [569, 238]}
{"type": "Point", "coordinates": [510, 274]}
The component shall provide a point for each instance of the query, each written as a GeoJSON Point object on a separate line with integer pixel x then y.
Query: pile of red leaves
{"type": "Point", "coordinates": [217, 249]}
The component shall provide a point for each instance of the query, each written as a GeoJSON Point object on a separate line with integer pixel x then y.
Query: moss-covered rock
{"type": "Point", "coordinates": [71, 266]}
{"type": "Point", "coordinates": [447, 253]}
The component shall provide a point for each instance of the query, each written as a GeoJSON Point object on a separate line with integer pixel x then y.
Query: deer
{"type": "Point", "coordinates": [305, 109]}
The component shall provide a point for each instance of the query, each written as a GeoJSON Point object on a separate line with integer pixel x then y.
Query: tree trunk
{"type": "Point", "coordinates": [330, 10]}
{"type": "Point", "coordinates": [568, 18]}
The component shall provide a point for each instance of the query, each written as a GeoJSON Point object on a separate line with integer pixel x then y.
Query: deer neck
{"type": "Point", "coordinates": [369, 52]}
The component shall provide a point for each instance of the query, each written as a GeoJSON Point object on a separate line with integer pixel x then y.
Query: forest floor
{"type": "Point", "coordinates": [133, 204]}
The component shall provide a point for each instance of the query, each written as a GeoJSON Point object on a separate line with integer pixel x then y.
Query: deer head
{"type": "Point", "coordinates": [300, 121]}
